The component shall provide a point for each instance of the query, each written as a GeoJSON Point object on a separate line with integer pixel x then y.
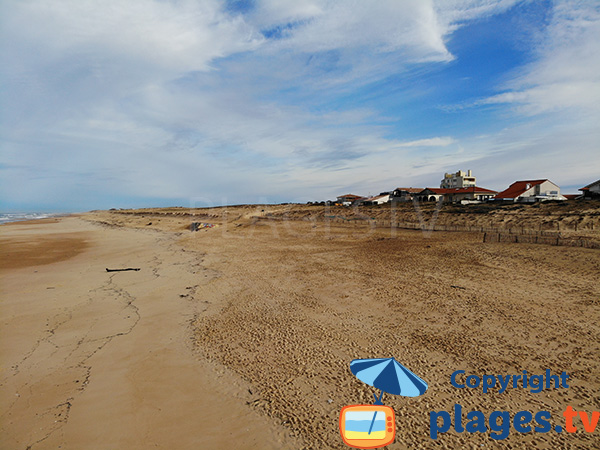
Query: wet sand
{"type": "Point", "coordinates": [241, 335]}
{"type": "Point", "coordinates": [101, 360]}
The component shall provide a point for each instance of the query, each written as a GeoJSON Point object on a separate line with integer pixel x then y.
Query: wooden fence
{"type": "Point", "coordinates": [490, 234]}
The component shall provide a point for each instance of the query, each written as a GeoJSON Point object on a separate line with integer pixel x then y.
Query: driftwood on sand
{"type": "Point", "coordinates": [121, 270]}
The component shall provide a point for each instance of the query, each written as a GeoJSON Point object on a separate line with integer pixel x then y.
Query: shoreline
{"type": "Point", "coordinates": [32, 217]}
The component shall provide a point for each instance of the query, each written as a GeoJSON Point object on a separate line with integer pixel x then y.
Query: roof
{"type": "Point", "coordinates": [587, 188]}
{"type": "Point", "coordinates": [410, 190]}
{"type": "Point", "coordinates": [438, 191]}
{"type": "Point", "coordinates": [377, 197]}
{"type": "Point", "coordinates": [518, 188]}
{"type": "Point", "coordinates": [350, 196]}
{"type": "Point", "coordinates": [463, 190]}
{"type": "Point", "coordinates": [476, 189]}
{"type": "Point", "coordinates": [469, 189]}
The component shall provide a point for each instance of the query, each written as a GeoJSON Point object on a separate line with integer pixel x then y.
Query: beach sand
{"type": "Point", "coordinates": [241, 335]}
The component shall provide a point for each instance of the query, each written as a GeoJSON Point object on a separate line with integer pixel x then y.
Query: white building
{"type": "Point", "coordinates": [380, 199]}
{"type": "Point", "coordinates": [591, 190]}
{"type": "Point", "coordinates": [531, 191]}
{"type": "Point", "coordinates": [457, 180]}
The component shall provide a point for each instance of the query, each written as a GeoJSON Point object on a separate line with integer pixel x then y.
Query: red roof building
{"type": "Point", "coordinates": [348, 199]}
{"type": "Point", "coordinates": [531, 191]}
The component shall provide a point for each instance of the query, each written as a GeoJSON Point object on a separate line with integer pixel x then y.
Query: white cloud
{"type": "Point", "coordinates": [453, 13]}
{"type": "Point", "coordinates": [269, 13]}
{"type": "Point", "coordinates": [65, 59]}
{"type": "Point", "coordinates": [566, 71]}
{"type": "Point", "coordinates": [383, 26]}
{"type": "Point", "coordinates": [174, 37]}
{"type": "Point", "coordinates": [177, 99]}
{"type": "Point", "coordinates": [564, 151]}
{"type": "Point", "coordinates": [430, 142]}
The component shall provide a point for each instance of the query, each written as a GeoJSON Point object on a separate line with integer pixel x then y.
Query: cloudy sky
{"type": "Point", "coordinates": [111, 103]}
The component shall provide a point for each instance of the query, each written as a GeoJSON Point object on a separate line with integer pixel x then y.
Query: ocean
{"type": "Point", "coordinates": [17, 217]}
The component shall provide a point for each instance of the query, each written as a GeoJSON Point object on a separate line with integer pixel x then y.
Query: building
{"type": "Point", "coordinates": [591, 190]}
{"type": "Point", "coordinates": [430, 195]}
{"type": "Point", "coordinates": [465, 195]}
{"type": "Point", "coordinates": [404, 194]}
{"type": "Point", "coordinates": [472, 194]}
{"type": "Point", "coordinates": [380, 199]}
{"type": "Point", "coordinates": [529, 191]}
{"type": "Point", "coordinates": [457, 180]}
{"type": "Point", "coordinates": [349, 199]}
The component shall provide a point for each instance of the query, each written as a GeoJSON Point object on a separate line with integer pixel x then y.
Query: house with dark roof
{"type": "Point", "coordinates": [530, 191]}
{"type": "Point", "coordinates": [430, 195]}
{"type": "Point", "coordinates": [404, 194]}
{"type": "Point", "coordinates": [471, 194]}
{"type": "Point", "coordinates": [592, 190]}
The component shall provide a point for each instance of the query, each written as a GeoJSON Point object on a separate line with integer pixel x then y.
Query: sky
{"type": "Point", "coordinates": [113, 104]}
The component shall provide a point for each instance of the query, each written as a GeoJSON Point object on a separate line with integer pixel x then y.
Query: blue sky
{"type": "Point", "coordinates": [155, 103]}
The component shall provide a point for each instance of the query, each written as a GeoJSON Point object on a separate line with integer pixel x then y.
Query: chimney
{"type": "Point", "coordinates": [469, 173]}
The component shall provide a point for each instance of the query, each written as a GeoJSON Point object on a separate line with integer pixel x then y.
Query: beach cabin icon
{"type": "Point", "coordinates": [374, 426]}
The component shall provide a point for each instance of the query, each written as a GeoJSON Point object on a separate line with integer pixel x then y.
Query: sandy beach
{"type": "Point", "coordinates": [240, 335]}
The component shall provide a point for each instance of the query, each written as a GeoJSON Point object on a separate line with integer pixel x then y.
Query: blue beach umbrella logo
{"type": "Point", "coordinates": [388, 375]}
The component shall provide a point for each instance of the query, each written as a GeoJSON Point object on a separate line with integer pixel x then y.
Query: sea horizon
{"type": "Point", "coordinates": [22, 216]}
